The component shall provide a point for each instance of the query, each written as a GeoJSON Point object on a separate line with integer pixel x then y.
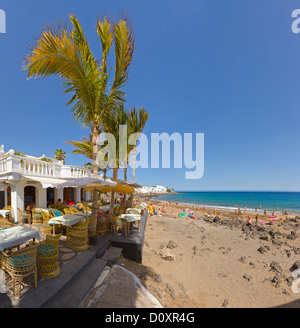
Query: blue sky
{"type": "Point", "coordinates": [228, 69]}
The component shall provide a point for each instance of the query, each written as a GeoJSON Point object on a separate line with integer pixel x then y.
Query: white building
{"type": "Point", "coordinates": [151, 190]}
{"type": "Point", "coordinates": [25, 179]}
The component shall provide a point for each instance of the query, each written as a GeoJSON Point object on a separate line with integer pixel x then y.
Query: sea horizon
{"type": "Point", "coordinates": [259, 201]}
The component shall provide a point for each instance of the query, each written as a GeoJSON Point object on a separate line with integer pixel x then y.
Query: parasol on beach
{"type": "Point", "coordinates": [272, 217]}
{"type": "Point", "coordinates": [183, 215]}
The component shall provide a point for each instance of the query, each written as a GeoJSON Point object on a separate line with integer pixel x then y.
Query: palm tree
{"type": "Point", "coordinates": [111, 124]}
{"type": "Point", "coordinates": [85, 147]}
{"type": "Point", "coordinates": [65, 51]}
{"type": "Point", "coordinates": [136, 124]}
{"type": "Point", "coordinates": [60, 155]}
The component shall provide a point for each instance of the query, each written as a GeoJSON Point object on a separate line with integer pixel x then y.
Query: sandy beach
{"type": "Point", "coordinates": [218, 261]}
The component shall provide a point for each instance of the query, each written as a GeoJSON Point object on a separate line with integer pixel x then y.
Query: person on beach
{"type": "Point", "coordinates": [245, 209]}
{"type": "Point", "coordinates": [256, 218]}
{"type": "Point", "coordinates": [239, 211]}
{"type": "Point", "coordinates": [248, 220]}
{"type": "Point", "coordinates": [265, 212]}
{"type": "Point", "coordinates": [151, 209]}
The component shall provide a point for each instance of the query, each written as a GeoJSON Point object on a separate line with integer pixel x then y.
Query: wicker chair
{"type": "Point", "coordinates": [74, 210]}
{"type": "Point", "coordinates": [47, 228]}
{"type": "Point", "coordinates": [23, 215]}
{"type": "Point", "coordinates": [118, 223]}
{"type": "Point", "coordinates": [133, 211]}
{"type": "Point", "coordinates": [140, 207]}
{"type": "Point", "coordinates": [5, 224]}
{"type": "Point", "coordinates": [80, 205]}
{"type": "Point", "coordinates": [36, 217]}
{"type": "Point", "coordinates": [19, 265]}
{"type": "Point", "coordinates": [61, 207]}
{"type": "Point", "coordinates": [57, 213]}
{"type": "Point", "coordinates": [68, 211]}
{"type": "Point", "coordinates": [102, 223]}
{"type": "Point", "coordinates": [77, 236]}
{"type": "Point", "coordinates": [92, 227]}
{"type": "Point", "coordinates": [46, 257]}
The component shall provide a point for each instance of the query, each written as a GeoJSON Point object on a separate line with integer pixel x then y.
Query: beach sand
{"type": "Point", "coordinates": [218, 261]}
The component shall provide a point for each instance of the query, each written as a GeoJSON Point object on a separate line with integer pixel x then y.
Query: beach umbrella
{"type": "Point", "coordinates": [119, 187]}
{"type": "Point", "coordinates": [132, 184]}
{"type": "Point", "coordinates": [89, 184]}
{"type": "Point", "coordinates": [183, 215]}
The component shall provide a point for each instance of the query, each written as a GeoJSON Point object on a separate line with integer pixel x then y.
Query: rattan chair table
{"type": "Point", "coordinates": [47, 257]}
{"type": "Point", "coordinates": [118, 223]}
{"type": "Point", "coordinates": [24, 215]}
{"type": "Point", "coordinates": [18, 265]}
{"type": "Point", "coordinates": [102, 223]}
{"type": "Point", "coordinates": [36, 216]}
{"type": "Point", "coordinates": [77, 236]}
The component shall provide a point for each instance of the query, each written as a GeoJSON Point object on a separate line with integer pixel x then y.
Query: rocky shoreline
{"type": "Point", "coordinates": [218, 261]}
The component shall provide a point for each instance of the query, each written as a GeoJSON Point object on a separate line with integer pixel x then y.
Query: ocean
{"type": "Point", "coordinates": [269, 201]}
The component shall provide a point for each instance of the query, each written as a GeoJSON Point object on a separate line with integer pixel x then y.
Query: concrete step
{"type": "Point", "coordinates": [77, 277]}
{"type": "Point", "coordinates": [78, 287]}
{"type": "Point", "coordinates": [112, 255]}
{"type": "Point", "coordinates": [47, 288]}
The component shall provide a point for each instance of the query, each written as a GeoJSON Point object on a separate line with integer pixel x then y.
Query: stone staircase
{"type": "Point", "coordinates": [75, 280]}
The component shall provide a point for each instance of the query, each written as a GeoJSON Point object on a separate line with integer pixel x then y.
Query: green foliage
{"type": "Point", "coordinates": [45, 159]}
{"type": "Point", "coordinates": [19, 153]}
{"type": "Point", "coordinates": [60, 155]}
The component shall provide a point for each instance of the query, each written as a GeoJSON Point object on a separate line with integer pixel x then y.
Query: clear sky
{"type": "Point", "coordinates": [226, 68]}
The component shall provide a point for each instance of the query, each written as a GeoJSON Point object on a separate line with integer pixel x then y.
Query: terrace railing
{"type": "Point", "coordinates": [32, 166]}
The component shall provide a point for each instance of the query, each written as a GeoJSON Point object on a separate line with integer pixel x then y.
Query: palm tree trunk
{"type": "Point", "coordinates": [125, 178]}
{"type": "Point", "coordinates": [133, 163]}
{"type": "Point", "coordinates": [133, 173]}
{"type": "Point", "coordinates": [95, 144]}
{"type": "Point", "coordinates": [113, 194]}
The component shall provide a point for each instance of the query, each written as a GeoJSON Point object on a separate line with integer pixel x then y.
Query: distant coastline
{"type": "Point", "coordinates": [231, 200]}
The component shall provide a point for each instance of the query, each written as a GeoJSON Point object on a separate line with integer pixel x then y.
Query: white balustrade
{"type": "Point", "coordinates": [32, 166]}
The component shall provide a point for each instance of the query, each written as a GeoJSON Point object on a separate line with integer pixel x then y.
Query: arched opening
{"type": "Point", "coordinates": [29, 196]}
{"type": "Point", "coordinates": [50, 196]}
{"type": "Point", "coordinates": [2, 198]}
{"type": "Point", "coordinates": [69, 194]}
{"type": "Point", "coordinates": [8, 195]}
{"type": "Point", "coordinates": [82, 194]}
